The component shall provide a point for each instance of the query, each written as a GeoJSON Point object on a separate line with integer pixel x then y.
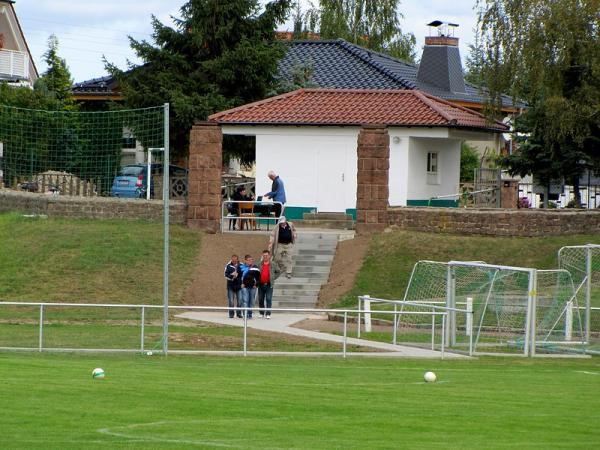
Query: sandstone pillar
{"type": "Point", "coordinates": [372, 191]}
{"type": "Point", "coordinates": [204, 177]}
{"type": "Point", "coordinates": [509, 193]}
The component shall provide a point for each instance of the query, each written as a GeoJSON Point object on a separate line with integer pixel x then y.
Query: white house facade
{"type": "Point", "coordinates": [318, 161]}
{"type": "Point", "coordinates": [16, 64]}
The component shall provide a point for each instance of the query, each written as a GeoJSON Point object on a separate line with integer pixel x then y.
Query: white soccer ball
{"type": "Point", "coordinates": [149, 353]}
{"type": "Point", "coordinates": [97, 373]}
{"type": "Point", "coordinates": [430, 377]}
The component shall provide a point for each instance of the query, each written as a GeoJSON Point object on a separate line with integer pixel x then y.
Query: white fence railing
{"type": "Point", "coordinates": [42, 323]}
{"type": "Point", "coordinates": [428, 308]}
{"type": "Point", "coordinates": [14, 63]}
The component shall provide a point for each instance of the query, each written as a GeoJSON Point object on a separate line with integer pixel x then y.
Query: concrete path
{"type": "Point", "coordinates": [282, 323]}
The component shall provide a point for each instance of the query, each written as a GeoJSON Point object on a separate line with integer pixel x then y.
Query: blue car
{"type": "Point", "coordinates": [131, 181]}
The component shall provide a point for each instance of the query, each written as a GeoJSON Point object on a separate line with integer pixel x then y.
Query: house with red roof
{"type": "Point", "coordinates": [309, 138]}
{"type": "Point", "coordinates": [16, 64]}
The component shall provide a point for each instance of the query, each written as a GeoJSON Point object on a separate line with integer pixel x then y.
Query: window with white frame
{"type": "Point", "coordinates": [432, 162]}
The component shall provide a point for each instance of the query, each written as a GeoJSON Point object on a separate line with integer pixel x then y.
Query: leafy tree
{"type": "Point", "coordinates": [57, 77]}
{"type": "Point", "coordinates": [469, 161]}
{"type": "Point", "coordinates": [548, 54]}
{"type": "Point", "coordinates": [371, 24]}
{"type": "Point", "coordinates": [220, 54]}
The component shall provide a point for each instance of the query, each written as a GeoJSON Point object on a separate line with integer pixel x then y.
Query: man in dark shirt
{"type": "Point", "coordinates": [281, 244]}
{"type": "Point", "coordinates": [250, 281]}
{"type": "Point", "coordinates": [233, 275]}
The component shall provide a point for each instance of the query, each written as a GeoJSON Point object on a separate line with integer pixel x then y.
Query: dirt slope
{"type": "Point", "coordinates": [348, 260]}
{"type": "Point", "coordinates": [208, 285]}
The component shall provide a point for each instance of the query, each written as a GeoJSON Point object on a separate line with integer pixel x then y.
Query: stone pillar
{"type": "Point", "coordinates": [204, 177]}
{"type": "Point", "coordinates": [372, 191]}
{"type": "Point", "coordinates": [509, 194]}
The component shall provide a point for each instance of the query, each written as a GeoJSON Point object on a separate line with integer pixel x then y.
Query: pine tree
{"type": "Point", "coordinates": [57, 77]}
{"type": "Point", "coordinates": [220, 54]}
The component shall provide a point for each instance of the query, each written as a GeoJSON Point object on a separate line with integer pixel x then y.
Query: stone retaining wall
{"type": "Point", "coordinates": [90, 207]}
{"type": "Point", "coordinates": [496, 222]}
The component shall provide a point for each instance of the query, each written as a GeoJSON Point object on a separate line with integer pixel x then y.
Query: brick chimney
{"type": "Point", "coordinates": [440, 64]}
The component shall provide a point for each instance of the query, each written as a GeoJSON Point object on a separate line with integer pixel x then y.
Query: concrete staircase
{"type": "Point", "coordinates": [326, 220]}
{"type": "Point", "coordinates": [313, 255]}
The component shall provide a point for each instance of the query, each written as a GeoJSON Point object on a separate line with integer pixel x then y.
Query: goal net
{"type": "Point", "coordinates": [583, 264]}
{"type": "Point", "coordinates": [514, 309]}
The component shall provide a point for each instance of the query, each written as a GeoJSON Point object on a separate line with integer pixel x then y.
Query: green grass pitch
{"type": "Point", "coordinates": [51, 401]}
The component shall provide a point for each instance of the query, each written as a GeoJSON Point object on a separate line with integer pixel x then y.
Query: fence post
{"type": "Point", "coordinates": [367, 308]}
{"type": "Point", "coordinates": [432, 330]}
{"type": "Point", "coordinates": [588, 290]}
{"type": "Point", "coordinates": [395, 333]}
{"type": "Point", "coordinates": [345, 333]}
{"type": "Point", "coordinates": [444, 333]}
{"type": "Point", "coordinates": [470, 324]}
{"type": "Point", "coordinates": [359, 316]}
{"type": "Point", "coordinates": [41, 333]}
{"type": "Point", "coordinates": [469, 318]}
{"type": "Point", "coordinates": [142, 336]}
{"type": "Point", "coordinates": [245, 331]}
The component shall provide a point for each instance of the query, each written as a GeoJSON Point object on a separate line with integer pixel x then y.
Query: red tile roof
{"type": "Point", "coordinates": [356, 107]}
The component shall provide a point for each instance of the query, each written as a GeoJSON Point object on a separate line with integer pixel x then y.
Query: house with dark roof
{"type": "Point", "coordinates": [338, 64]}
{"type": "Point", "coordinates": [309, 137]}
{"type": "Point", "coordinates": [16, 64]}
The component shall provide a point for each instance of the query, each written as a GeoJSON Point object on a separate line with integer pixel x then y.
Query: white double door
{"type": "Point", "coordinates": [336, 174]}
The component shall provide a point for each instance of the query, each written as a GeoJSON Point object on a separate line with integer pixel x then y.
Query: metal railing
{"type": "Point", "coordinates": [463, 197]}
{"type": "Point", "coordinates": [43, 322]}
{"type": "Point", "coordinates": [435, 309]}
{"type": "Point", "coordinates": [253, 216]}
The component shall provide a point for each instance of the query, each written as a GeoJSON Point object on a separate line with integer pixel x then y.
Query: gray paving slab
{"type": "Point", "coordinates": [283, 323]}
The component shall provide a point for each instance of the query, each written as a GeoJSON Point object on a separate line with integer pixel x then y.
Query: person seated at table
{"type": "Point", "coordinates": [240, 195]}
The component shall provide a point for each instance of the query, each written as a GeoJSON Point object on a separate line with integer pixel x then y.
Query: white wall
{"type": "Point", "coordinates": [307, 158]}
{"type": "Point", "coordinates": [317, 165]}
{"type": "Point", "coordinates": [420, 186]}
{"type": "Point", "coordinates": [398, 168]}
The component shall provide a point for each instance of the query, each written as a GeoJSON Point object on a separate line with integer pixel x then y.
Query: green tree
{"type": "Point", "coordinates": [371, 24]}
{"type": "Point", "coordinates": [474, 62]}
{"type": "Point", "coordinates": [469, 161]}
{"type": "Point", "coordinates": [57, 77]}
{"type": "Point", "coordinates": [219, 54]}
{"type": "Point", "coordinates": [548, 54]}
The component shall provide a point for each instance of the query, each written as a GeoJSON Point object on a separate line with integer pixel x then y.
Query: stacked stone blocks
{"type": "Point", "coordinates": [372, 192]}
{"type": "Point", "coordinates": [204, 184]}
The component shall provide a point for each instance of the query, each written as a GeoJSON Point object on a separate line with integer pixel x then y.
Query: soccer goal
{"type": "Point", "coordinates": [515, 310]}
{"type": "Point", "coordinates": [583, 264]}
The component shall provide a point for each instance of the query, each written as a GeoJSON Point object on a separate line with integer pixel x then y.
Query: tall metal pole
{"type": "Point", "coordinates": [588, 290]}
{"type": "Point", "coordinates": [166, 195]}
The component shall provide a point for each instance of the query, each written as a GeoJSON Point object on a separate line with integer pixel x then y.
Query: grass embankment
{"type": "Point", "coordinates": [91, 261]}
{"type": "Point", "coordinates": [51, 402]}
{"type": "Point", "coordinates": [85, 261]}
{"type": "Point", "coordinates": [386, 270]}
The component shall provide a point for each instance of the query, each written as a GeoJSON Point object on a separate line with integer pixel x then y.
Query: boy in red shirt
{"type": "Point", "coordinates": [265, 287]}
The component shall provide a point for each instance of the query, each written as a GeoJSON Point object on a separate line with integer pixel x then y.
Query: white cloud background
{"type": "Point", "coordinates": [88, 29]}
